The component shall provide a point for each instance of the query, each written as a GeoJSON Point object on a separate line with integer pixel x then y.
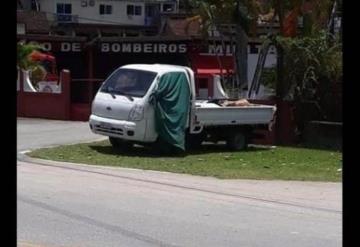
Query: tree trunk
{"type": "Point", "coordinates": [280, 53]}
{"type": "Point", "coordinates": [280, 73]}
{"type": "Point", "coordinates": [280, 11]}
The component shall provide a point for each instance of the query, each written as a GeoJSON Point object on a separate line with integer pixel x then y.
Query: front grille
{"type": "Point", "coordinates": [111, 130]}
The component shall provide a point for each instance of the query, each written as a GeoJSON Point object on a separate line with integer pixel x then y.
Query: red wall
{"type": "Point", "coordinates": [61, 107]}
{"type": "Point", "coordinates": [45, 105]}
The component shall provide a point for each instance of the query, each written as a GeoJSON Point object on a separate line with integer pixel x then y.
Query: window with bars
{"type": "Point", "coordinates": [63, 8]}
{"type": "Point", "coordinates": [133, 10]}
{"type": "Point", "coordinates": [105, 9]}
{"type": "Point", "coordinates": [63, 12]}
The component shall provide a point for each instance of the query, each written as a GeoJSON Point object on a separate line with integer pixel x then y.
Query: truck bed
{"type": "Point", "coordinates": [213, 114]}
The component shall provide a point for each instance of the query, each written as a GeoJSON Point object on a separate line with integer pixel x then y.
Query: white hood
{"type": "Point", "coordinates": [113, 106]}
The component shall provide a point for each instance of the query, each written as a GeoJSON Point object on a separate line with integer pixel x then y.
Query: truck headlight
{"type": "Point", "coordinates": [136, 113]}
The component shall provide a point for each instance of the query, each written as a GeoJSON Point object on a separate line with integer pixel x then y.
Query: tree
{"type": "Point", "coordinates": [310, 68]}
{"type": "Point", "coordinates": [243, 13]}
{"type": "Point", "coordinates": [309, 62]}
{"type": "Point", "coordinates": [23, 52]}
{"type": "Point", "coordinates": [25, 63]}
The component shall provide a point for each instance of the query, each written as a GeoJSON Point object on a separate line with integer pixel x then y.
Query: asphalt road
{"type": "Point", "coordinates": [63, 204]}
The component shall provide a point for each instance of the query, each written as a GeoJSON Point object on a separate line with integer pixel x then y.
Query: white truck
{"type": "Point", "coordinates": [127, 116]}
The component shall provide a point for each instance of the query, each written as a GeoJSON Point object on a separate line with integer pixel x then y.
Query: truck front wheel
{"type": "Point", "coordinates": [237, 141]}
{"type": "Point", "coordinates": [193, 141]}
{"type": "Point", "coordinates": [120, 144]}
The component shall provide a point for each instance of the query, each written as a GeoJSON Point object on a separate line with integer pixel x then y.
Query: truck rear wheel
{"type": "Point", "coordinates": [193, 141]}
{"type": "Point", "coordinates": [237, 141]}
{"type": "Point", "coordinates": [120, 144]}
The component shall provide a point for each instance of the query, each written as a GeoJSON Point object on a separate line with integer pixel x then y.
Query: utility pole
{"type": "Point", "coordinates": [280, 76]}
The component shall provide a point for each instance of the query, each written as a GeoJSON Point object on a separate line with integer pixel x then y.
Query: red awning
{"type": "Point", "coordinates": [213, 71]}
{"type": "Point", "coordinates": [209, 64]}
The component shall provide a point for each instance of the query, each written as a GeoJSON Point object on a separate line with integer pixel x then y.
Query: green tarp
{"type": "Point", "coordinates": [171, 101]}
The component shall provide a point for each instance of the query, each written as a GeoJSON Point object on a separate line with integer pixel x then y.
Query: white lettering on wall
{"type": "Point", "coordinates": [46, 46]}
{"type": "Point", "coordinates": [182, 48]}
{"type": "Point", "coordinates": [66, 47]}
{"type": "Point", "coordinates": [162, 48]}
{"type": "Point", "coordinates": [215, 49]}
{"type": "Point", "coordinates": [137, 48]}
{"type": "Point", "coordinates": [76, 47]}
{"type": "Point", "coordinates": [105, 47]}
{"type": "Point", "coordinates": [115, 47]}
{"type": "Point", "coordinates": [147, 48]}
{"type": "Point", "coordinates": [126, 47]}
{"type": "Point", "coordinates": [143, 47]}
{"type": "Point", "coordinates": [219, 49]}
{"type": "Point", "coordinates": [230, 50]}
{"type": "Point", "coordinates": [172, 48]}
{"type": "Point", "coordinates": [252, 48]}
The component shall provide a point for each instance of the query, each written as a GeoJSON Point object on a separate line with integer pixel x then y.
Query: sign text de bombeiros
{"type": "Point", "coordinates": [143, 48]}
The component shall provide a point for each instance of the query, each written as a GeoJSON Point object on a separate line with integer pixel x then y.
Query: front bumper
{"type": "Point", "coordinates": [123, 129]}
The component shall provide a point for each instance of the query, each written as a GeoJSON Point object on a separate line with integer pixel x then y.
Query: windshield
{"type": "Point", "coordinates": [130, 82]}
